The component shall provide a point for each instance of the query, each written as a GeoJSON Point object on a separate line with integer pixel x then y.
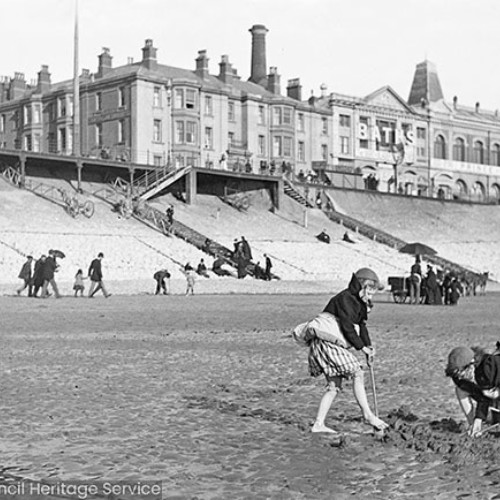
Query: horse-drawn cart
{"type": "Point", "coordinates": [399, 288]}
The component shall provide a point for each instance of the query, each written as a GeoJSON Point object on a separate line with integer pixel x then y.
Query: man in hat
{"type": "Point", "coordinates": [463, 368]}
{"type": "Point", "coordinates": [350, 309]}
{"type": "Point", "coordinates": [49, 269]}
{"type": "Point", "coordinates": [95, 275]}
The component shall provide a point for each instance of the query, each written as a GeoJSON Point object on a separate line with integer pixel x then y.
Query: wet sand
{"type": "Point", "coordinates": [210, 395]}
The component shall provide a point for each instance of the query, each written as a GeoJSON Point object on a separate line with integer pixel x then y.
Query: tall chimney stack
{"type": "Point", "coordinates": [105, 62]}
{"type": "Point", "coordinates": [258, 69]}
{"type": "Point", "coordinates": [43, 82]}
{"type": "Point", "coordinates": [225, 70]}
{"type": "Point", "coordinates": [149, 55]}
{"type": "Point", "coordinates": [202, 64]}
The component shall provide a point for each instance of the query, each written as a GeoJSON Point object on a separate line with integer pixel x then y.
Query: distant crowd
{"type": "Point", "coordinates": [442, 286]}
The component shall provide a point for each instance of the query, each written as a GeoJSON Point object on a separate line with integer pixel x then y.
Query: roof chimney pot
{"type": "Point", "coordinates": [294, 89]}
{"type": "Point", "coordinates": [149, 54]}
{"type": "Point", "coordinates": [202, 64]}
{"type": "Point", "coordinates": [105, 63]}
{"type": "Point", "coordinates": [273, 81]}
{"type": "Point", "coordinates": [43, 82]}
{"type": "Point", "coordinates": [226, 71]}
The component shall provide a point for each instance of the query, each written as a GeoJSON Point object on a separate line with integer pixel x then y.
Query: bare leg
{"type": "Point", "coordinates": [324, 406]}
{"type": "Point", "coordinates": [362, 400]}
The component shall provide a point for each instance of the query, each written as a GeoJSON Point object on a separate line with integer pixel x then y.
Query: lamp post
{"type": "Point", "coordinates": [168, 89]}
{"type": "Point", "coordinates": [398, 155]}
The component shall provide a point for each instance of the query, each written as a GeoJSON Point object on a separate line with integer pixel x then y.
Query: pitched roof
{"type": "Point", "coordinates": [425, 84]}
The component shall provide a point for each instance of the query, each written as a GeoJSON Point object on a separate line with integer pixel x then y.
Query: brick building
{"type": "Point", "coordinates": [150, 113]}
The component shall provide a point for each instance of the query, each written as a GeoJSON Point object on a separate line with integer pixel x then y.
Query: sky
{"type": "Point", "coordinates": [353, 46]}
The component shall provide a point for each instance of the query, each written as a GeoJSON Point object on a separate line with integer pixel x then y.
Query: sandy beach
{"type": "Point", "coordinates": [210, 395]}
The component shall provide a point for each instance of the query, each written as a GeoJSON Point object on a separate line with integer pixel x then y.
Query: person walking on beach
{"type": "Point", "coordinates": [38, 274]}
{"type": "Point", "coordinates": [347, 312]}
{"type": "Point", "coordinates": [78, 285]}
{"type": "Point", "coordinates": [25, 275]}
{"type": "Point", "coordinates": [49, 269]}
{"type": "Point", "coordinates": [95, 275]}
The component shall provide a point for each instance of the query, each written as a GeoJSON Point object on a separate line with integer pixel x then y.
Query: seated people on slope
{"type": "Point", "coordinates": [217, 267]}
{"type": "Point", "coordinates": [202, 269]}
{"type": "Point", "coordinates": [323, 236]}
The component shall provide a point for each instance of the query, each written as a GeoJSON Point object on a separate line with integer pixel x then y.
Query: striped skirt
{"type": "Point", "coordinates": [331, 360]}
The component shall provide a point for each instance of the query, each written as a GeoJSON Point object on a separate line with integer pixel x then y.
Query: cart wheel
{"type": "Point", "coordinates": [88, 209]}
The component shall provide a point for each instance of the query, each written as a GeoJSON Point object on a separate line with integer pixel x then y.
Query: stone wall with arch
{"type": "Point", "coordinates": [495, 192]}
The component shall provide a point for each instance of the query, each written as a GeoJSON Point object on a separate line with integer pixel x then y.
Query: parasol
{"type": "Point", "coordinates": [58, 253]}
{"type": "Point", "coordinates": [417, 249]}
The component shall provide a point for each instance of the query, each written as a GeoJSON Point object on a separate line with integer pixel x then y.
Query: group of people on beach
{"type": "Point", "coordinates": [440, 286]}
{"type": "Point", "coordinates": [40, 274]}
{"type": "Point", "coordinates": [341, 328]}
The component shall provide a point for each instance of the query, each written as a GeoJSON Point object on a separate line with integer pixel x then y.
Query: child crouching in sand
{"type": "Point", "coordinates": [329, 346]}
{"type": "Point", "coordinates": [475, 375]}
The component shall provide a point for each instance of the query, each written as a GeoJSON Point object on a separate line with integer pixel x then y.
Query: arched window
{"type": "Point", "coordinates": [440, 148]}
{"type": "Point", "coordinates": [459, 149]}
{"type": "Point", "coordinates": [461, 188]}
{"type": "Point", "coordinates": [495, 155]}
{"type": "Point", "coordinates": [478, 191]}
{"type": "Point", "coordinates": [478, 152]}
{"type": "Point", "coordinates": [495, 192]}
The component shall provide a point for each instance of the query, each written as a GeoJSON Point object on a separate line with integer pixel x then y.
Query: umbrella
{"type": "Point", "coordinates": [58, 254]}
{"type": "Point", "coordinates": [417, 249]}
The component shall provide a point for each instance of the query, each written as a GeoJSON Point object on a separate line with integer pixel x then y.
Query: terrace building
{"type": "Point", "coordinates": [153, 114]}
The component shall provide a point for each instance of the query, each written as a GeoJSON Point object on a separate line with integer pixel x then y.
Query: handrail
{"type": "Point", "coordinates": [384, 237]}
{"type": "Point", "coordinates": [12, 175]}
{"type": "Point", "coordinates": [302, 199]}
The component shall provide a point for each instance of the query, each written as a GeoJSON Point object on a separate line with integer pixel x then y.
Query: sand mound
{"type": "Point", "coordinates": [445, 436]}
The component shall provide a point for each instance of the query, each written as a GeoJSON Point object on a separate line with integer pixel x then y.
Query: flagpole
{"type": "Point", "coordinates": [76, 90]}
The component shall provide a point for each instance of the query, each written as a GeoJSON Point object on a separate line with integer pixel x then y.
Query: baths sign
{"type": "Point", "coordinates": [386, 133]}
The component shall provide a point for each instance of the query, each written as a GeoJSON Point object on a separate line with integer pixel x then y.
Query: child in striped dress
{"type": "Point", "coordinates": [334, 360]}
